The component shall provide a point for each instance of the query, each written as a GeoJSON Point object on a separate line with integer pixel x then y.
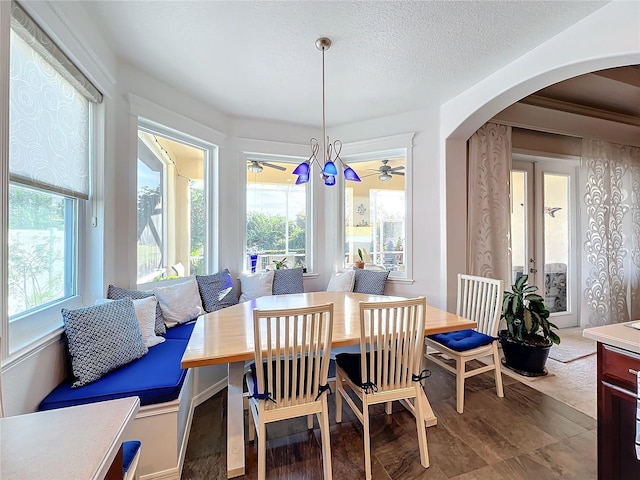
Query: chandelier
{"type": "Point", "coordinates": [329, 170]}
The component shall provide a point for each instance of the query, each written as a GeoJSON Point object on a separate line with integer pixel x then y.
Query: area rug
{"type": "Point", "coordinates": [572, 346]}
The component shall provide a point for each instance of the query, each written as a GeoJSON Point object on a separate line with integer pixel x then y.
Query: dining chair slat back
{"type": "Point", "coordinates": [480, 301]}
{"type": "Point", "coordinates": [391, 345]}
{"type": "Point", "coordinates": [292, 354]}
{"type": "Point", "coordinates": [392, 335]}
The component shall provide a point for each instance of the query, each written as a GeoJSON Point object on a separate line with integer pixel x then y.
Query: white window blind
{"type": "Point", "coordinates": [49, 115]}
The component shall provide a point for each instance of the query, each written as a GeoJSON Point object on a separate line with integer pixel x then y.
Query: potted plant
{"type": "Point", "coordinates": [280, 263]}
{"type": "Point", "coordinates": [360, 264]}
{"type": "Point", "coordinates": [529, 335]}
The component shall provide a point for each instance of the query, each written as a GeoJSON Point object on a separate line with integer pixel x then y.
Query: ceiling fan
{"type": "Point", "coordinates": [256, 166]}
{"type": "Point", "coordinates": [385, 172]}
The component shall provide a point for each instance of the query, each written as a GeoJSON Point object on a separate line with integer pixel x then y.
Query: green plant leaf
{"type": "Point", "coordinates": [520, 282]}
{"type": "Point", "coordinates": [527, 319]}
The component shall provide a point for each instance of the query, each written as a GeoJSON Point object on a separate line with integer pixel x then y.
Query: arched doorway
{"type": "Point", "coordinates": [585, 47]}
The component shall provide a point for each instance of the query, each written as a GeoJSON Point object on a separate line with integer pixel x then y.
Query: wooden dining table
{"type": "Point", "coordinates": [226, 336]}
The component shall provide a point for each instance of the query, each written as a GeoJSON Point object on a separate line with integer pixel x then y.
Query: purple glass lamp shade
{"type": "Point", "coordinates": [329, 179]}
{"type": "Point", "coordinates": [350, 174]}
{"type": "Point", "coordinates": [302, 169]}
{"type": "Point", "coordinates": [302, 179]}
{"type": "Point", "coordinates": [330, 169]}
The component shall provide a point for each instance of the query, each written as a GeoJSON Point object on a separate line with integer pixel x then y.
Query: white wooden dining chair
{"type": "Point", "coordinates": [479, 299]}
{"type": "Point", "coordinates": [289, 376]}
{"type": "Point", "coordinates": [387, 367]}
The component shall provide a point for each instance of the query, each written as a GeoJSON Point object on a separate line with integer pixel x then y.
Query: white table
{"type": "Point", "coordinates": [74, 443]}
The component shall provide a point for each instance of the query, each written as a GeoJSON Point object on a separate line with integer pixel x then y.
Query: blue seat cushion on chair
{"type": "Point", "coordinates": [155, 378]}
{"type": "Point", "coordinates": [129, 451]}
{"type": "Point", "coordinates": [462, 340]}
{"type": "Point", "coordinates": [181, 332]}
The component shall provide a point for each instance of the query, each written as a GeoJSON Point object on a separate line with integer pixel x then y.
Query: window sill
{"type": "Point", "coordinates": [401, 281]}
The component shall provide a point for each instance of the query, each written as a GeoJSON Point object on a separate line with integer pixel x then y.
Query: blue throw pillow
{"type": "Point", "coordinates": [462, 340]}
{"type": "Point", "coordinates": [102, 338]}
{"type": "Point", "coordinates": [116, 293]}
{"type": "Point", "coordinates": [217, 291]}
{"type": "Point", "coordinates": [287, 281]}
{"type": "Point", "coordinates": [371, 282]}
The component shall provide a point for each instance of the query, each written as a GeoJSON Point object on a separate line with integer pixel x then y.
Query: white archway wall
{"type": "Point", "coordinates": [587, 46]}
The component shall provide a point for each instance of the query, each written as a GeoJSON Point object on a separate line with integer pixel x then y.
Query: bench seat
{"type": "Point", "coordinates": [155, 378]}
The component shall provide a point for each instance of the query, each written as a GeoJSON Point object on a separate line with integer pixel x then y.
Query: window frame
{"type": "Point", "coordinates": [375, 149]}
{"type": "Point", "coordinates": [29, 329]}
{"type": "Point", "coordinates": [179, 134]}
{"type": "Point", "coordinates": [310, 217]}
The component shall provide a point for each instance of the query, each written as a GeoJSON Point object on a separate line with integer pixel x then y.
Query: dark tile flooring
{"type": "Point", "coordinates": [525, 435]}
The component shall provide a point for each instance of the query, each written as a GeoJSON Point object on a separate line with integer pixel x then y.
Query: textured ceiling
{"type": "Point", "coordinates": [258, 58]}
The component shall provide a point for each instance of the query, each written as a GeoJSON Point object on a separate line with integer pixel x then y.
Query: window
{"type": "Point", "coordinates": [375, 214]}
{"type": "Point", "coordinates": [42, 253]}
{"type": "Point", "coordinates": [172, 218]}
{"type": "Point", "coordinates": [277, 220]}
{"type": "Point", "coordinates": [50, 138]}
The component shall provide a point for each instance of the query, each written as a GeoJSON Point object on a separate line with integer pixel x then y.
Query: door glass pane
{"type": "Point", "coordinates": [518, 223]}
{"type": "Point", "coordinates": [556, 240]}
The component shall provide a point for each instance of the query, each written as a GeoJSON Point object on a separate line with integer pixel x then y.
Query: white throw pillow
{"type": "Point", "coordinates": [179, 302]}
{"type": "Point", "coordinates": [146, 315]}
{"type": "Point", "coordinates": [342, 281]}
{"type": "Point", "coordinates": [254, 285]}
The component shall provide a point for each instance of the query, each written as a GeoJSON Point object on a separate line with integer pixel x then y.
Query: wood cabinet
{"type": "Point", "coordinates": [617, 406]}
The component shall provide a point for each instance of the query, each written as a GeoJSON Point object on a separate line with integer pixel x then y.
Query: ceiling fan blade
{"type": "Point", "coordinates": [394, 169]}
{"type": "Point", "coordinates": [271, 165]}
{"type": "Point", "coordinates": [399, 173]}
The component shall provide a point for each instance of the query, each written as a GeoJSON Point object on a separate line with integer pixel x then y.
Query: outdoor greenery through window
{"type": "Point", "coordinates": [41, 248]}
{"type": "Point", "coordinates": [171, 208]}
{"type": "Point", "coordinates": [276, 216]}
{"type": "Point", "coordinates": [375, 211]}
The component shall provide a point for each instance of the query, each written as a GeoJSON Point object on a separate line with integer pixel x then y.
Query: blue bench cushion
{"type": "Point", "coordinates": [462, 340]}
{"type": "Point", "coordinates": [129, 451]}
{"type": "Point", "coordinates": [181, 332]}
{"type": "Point", "coordinates": [155, 378]}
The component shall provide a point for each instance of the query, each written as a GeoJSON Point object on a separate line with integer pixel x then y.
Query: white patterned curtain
{"type": "Point", "coordinates": [610, 176]}
{"type": "Point", "coordinates": [489, 214]}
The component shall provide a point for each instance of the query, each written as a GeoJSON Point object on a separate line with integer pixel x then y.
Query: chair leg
{"type": "Point", "coordinates": [367, 438]}
{"type": "Point", "coordinates": [252, 425]}
{"type": "Point", "coordinates": [323, 420]}
{"type": "Point", "coordinates": [310, 422]}
{"type": "Point", "coordinates": [339, 390]}
{"type": "Point", "coordinates": [460, 371]}
{"type": "Point", "coordinates": [388, 408]}
{"type": "Point", "coordinates": [498, 371]}
{"type": "Point", "coordinates": [422, 430]}
{"type": "Point", "coordinates": [262, 450]}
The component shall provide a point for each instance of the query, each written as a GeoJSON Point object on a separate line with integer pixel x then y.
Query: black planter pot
{"type": "Point", "coordinates": [527, 360]}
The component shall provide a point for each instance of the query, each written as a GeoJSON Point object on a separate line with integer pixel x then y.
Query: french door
{"type": "Point", "coordinates": [544, 226]}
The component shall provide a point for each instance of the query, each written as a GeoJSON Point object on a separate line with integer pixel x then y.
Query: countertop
{"type": "Point", "coordinates": [619, 335]}
{"type": "Point", "coordinates": [74, 443]}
